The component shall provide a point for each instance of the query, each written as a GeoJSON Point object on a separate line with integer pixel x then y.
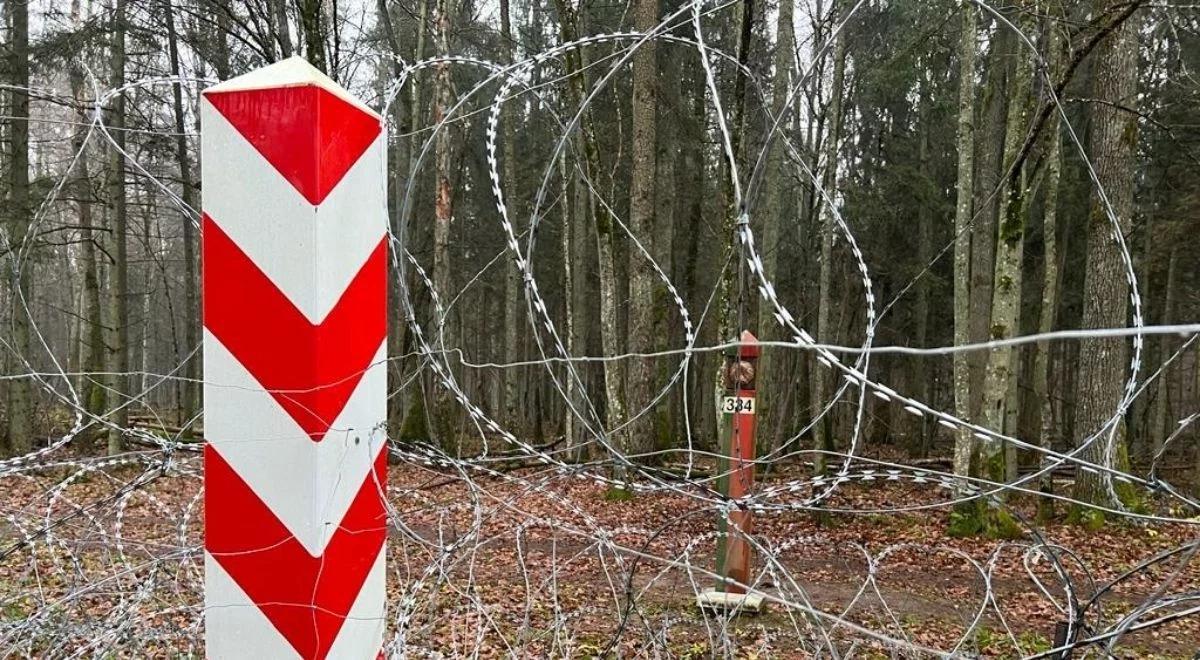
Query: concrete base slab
{"type": "Point", "coordinates": [711, 599]}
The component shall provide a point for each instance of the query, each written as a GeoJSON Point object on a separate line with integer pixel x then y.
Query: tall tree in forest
{"type": "Point", "coordinates": [1160, 425]}
{"type": "Point", "coordinates": [776, 188]}
{"type": "Point", "coordinates": [732, 153]}
{"type": "Point", "coordinates": [92, 336]}
{"type": "Point", "coordinates": [313, 26]}
{"type": "Point", "coordinates": [1103, 363]}
{"type": "Point", "coordinates": [730, 255]}
{"type": "Point", "coordinates": [20, 262]}
{"type": "Point", "coordinates": [823, 431]}
{"type": "Point", "coordinates": [443, 417]}
{"type": "Point", "coordinates": [922, 372]}
{"type": "Point", "coordinates": [413, 422]}
{"type": "Point", "coordinates": [643, 302]}
{"type": "Point", "coordinates": [1050, 278]}
{"type": "Point", "coordinates": [1006, 289]}
{"type": "Point", "coordinates": [602, 223]}
{"type": "Point", "coordinates": [118, 284]}
{"type": "Point", "coordinates": [191, 335]}
{"type": "Point", "coordinates": [990, 136]}
{"type": "Point", "coordinates": [514, 295]}
{"type": "Point", "coordinates": [397, 164]}
{"type": "Point", "coordinates": [220, 39]}
{"type": "Point", "coordinates": [967, 46]}
{"type": "Point", "coordinates": [279, 24]}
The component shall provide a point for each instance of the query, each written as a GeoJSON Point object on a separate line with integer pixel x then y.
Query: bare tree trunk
{"type": "Point", "coordinates": [1103, 365]}
{"type": "Point", "coordinates": [147, 295]}
{"type": "Point", "coordinates": [823, 431]}
{"type": "Point", "coordinates": [414, 96]}
{"type": "Point", "coordinates": [644, 225]}
{"type": "Point", "coordinates": [20, 395]}
{"type": "Point", "coordinates": [514, 310]}
{"type": "Point", "coordinates": [312, 25]}
{"type": "Point", "coordinates": [669, 424]}
{"type": "Point", "coordinates": [735, 115]}
{"type": "Point", "coordinates": [983, 228]}
{"type": "Point", "coordinates": [191, 314]}
{"type": "Point", "coordinates": [922, 371]}
{"type": "Point", "coordinates": [777, 189]}
{"type": "Point", "coordinates": [283, 32]}
{"type": "Point", "coordinates": [1050, 287]}
{"type": "Point", "coordinates": [694, 177]}
{"type": "Point", "coordinates": [614, 382]}
{"type": "Point", "coordinates": [399, 182]}
{"type": "Point", "coordinates": [91, 391]}
{"type": "Point", "coordinates": [1160, 427]}
{"type": "Point", "coordinates": [220, 37]}
{"type": "Point", "coordinates": [443, 217]}
{"type": "Point", "coordinates": [416, 404]}
{"type": "Point", "coordinates": [724, 303]}
{"type": "Point", "coordinates": [118, 286]}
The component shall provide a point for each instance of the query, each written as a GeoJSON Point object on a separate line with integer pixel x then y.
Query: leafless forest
{"type": "Point", "coordinates": [966, 234]}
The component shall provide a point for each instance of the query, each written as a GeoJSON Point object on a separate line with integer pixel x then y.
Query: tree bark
{"type": "Point", "coordinates": [312, 25]}
{"type": "Point", "coordinates": [91, 391]}
{"type": "Point", "coordinates": [1006, 289]}
{"type": "Point", "coordinates": [1103, 365]}
{"type": "Point", "coordinates": [643, 293]}
{"type": "Point", "coordinates": [398, 161]}
{"type": "Point", "coordinates": [191, 314]}
{"type": "Point", "coordinates": [922, 371]}
{"type": "Point", "coordinates": [777, 190]}
{"type": "Point", "coordinates": [416, 405]}
{"type": "Point", "coordinates": [444, 424]}
{"type": "Point", "coordinates": [823, 430]}
{"type": "Point", "coordinates": [1050, 285]}
{"type": "Point", "coordinates": [987, 201]}
{"type": "Point", "coordinates": [614, 381]}
{"type": "Point", "coordinates": [118, 285]}
{"type": "Point", "coordinates": [20, 270]}
{"type": "Point", "coordinates": [1160, 427]}
{"type": "Point", "coordinates": [514, 297]}
{"type": "Point", "coordinates": [282, 29]}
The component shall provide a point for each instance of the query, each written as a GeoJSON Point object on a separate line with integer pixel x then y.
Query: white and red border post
{"type": "Point", "coordinates": [294, 285]}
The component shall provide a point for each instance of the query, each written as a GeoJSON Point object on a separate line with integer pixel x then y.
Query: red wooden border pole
{"type": "Point", "coordinates": [739, 409]}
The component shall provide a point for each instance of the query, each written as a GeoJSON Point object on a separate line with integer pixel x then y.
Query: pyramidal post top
{"type": "Point", "coordinates": [294, 71]}
{"type": "Point", "coordinates": [749, 347]}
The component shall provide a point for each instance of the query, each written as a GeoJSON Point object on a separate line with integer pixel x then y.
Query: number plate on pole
{"type": "Point", "coordinates": [738, 404]}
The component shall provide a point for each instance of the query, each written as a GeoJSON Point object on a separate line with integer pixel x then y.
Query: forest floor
{"type": "Point", "coordinates": [528, 576]}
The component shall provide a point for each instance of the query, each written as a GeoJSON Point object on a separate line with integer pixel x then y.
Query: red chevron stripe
{"type": "Point", "coordinates": [306, 598]}
{"type": "Point", "coordinates": [311, 370]}
{"type": "Point", "coordinates": [311, 136]}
